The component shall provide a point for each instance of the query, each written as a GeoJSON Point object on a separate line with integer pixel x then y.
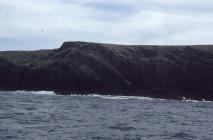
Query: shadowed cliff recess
{"type": "Point", "coordinates": [140, 70]}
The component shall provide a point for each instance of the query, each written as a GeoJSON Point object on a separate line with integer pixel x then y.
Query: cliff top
{"type": "Point", "coordinates": [38, 57]}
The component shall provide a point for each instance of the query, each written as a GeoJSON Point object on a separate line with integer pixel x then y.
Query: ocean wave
{"type": "Point", "coordinates": [110, 97]}
{"type": "Point", "coordinates": [196, 101]}
{"type": "Point", "coordinates": [41, 92]}
{"type": "Point", "coordinates": [115, 97]}
{"type": "Point", "coordinates": [31, 92]}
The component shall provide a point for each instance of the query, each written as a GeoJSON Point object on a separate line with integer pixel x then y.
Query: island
{"type": "Point", "coordinates": [158, 71]}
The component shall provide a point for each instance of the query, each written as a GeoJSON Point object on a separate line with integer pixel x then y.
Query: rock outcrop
{"type": "Point", "coordinates": [140, 70]}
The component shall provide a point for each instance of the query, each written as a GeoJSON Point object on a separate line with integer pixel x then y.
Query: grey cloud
{"type": "Point", "coordinates": [129, 22]}
{"type": "Point", "coordinates": [110, 11]}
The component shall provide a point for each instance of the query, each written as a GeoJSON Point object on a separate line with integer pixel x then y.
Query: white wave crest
{"type": "Point", "coordinates": [35, 92]}
{"type": "Point", "coordinates": [196, 101]}
{"type": "Point", "coordinates": [115, 97]}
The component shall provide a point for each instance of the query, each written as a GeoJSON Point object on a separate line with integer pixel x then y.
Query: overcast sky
{"type": "Point", "coordinates": [43, 24]}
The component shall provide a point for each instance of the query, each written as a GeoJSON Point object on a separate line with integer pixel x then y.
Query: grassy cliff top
{"type": "Point", "coordinates": [26, 57]}
{"type": "Point", "coordinates": [40, 57]}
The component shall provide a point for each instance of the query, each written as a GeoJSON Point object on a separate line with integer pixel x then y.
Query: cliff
{"type": "Point", "coordinates": [140, 70]}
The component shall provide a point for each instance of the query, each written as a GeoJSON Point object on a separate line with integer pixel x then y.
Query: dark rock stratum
{"type": "Point", "coordinates": [140, 70]}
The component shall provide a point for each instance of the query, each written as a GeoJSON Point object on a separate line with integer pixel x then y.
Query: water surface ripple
{"type": "Point", "coordinates": [45, 116]}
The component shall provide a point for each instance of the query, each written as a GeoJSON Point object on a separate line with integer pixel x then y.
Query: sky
{"type": "Point", "coordinates": [45, 24]}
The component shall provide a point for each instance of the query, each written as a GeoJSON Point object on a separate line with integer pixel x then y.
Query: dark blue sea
{"type": "Point", "coordinates": [45, 116]}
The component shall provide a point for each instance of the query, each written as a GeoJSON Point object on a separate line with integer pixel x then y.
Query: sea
{"type": "Point", "coordinates": [42, 115]}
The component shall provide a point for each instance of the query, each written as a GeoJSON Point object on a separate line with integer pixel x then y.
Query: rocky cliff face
{"type": "Point", "coordinates": [155, 71]}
